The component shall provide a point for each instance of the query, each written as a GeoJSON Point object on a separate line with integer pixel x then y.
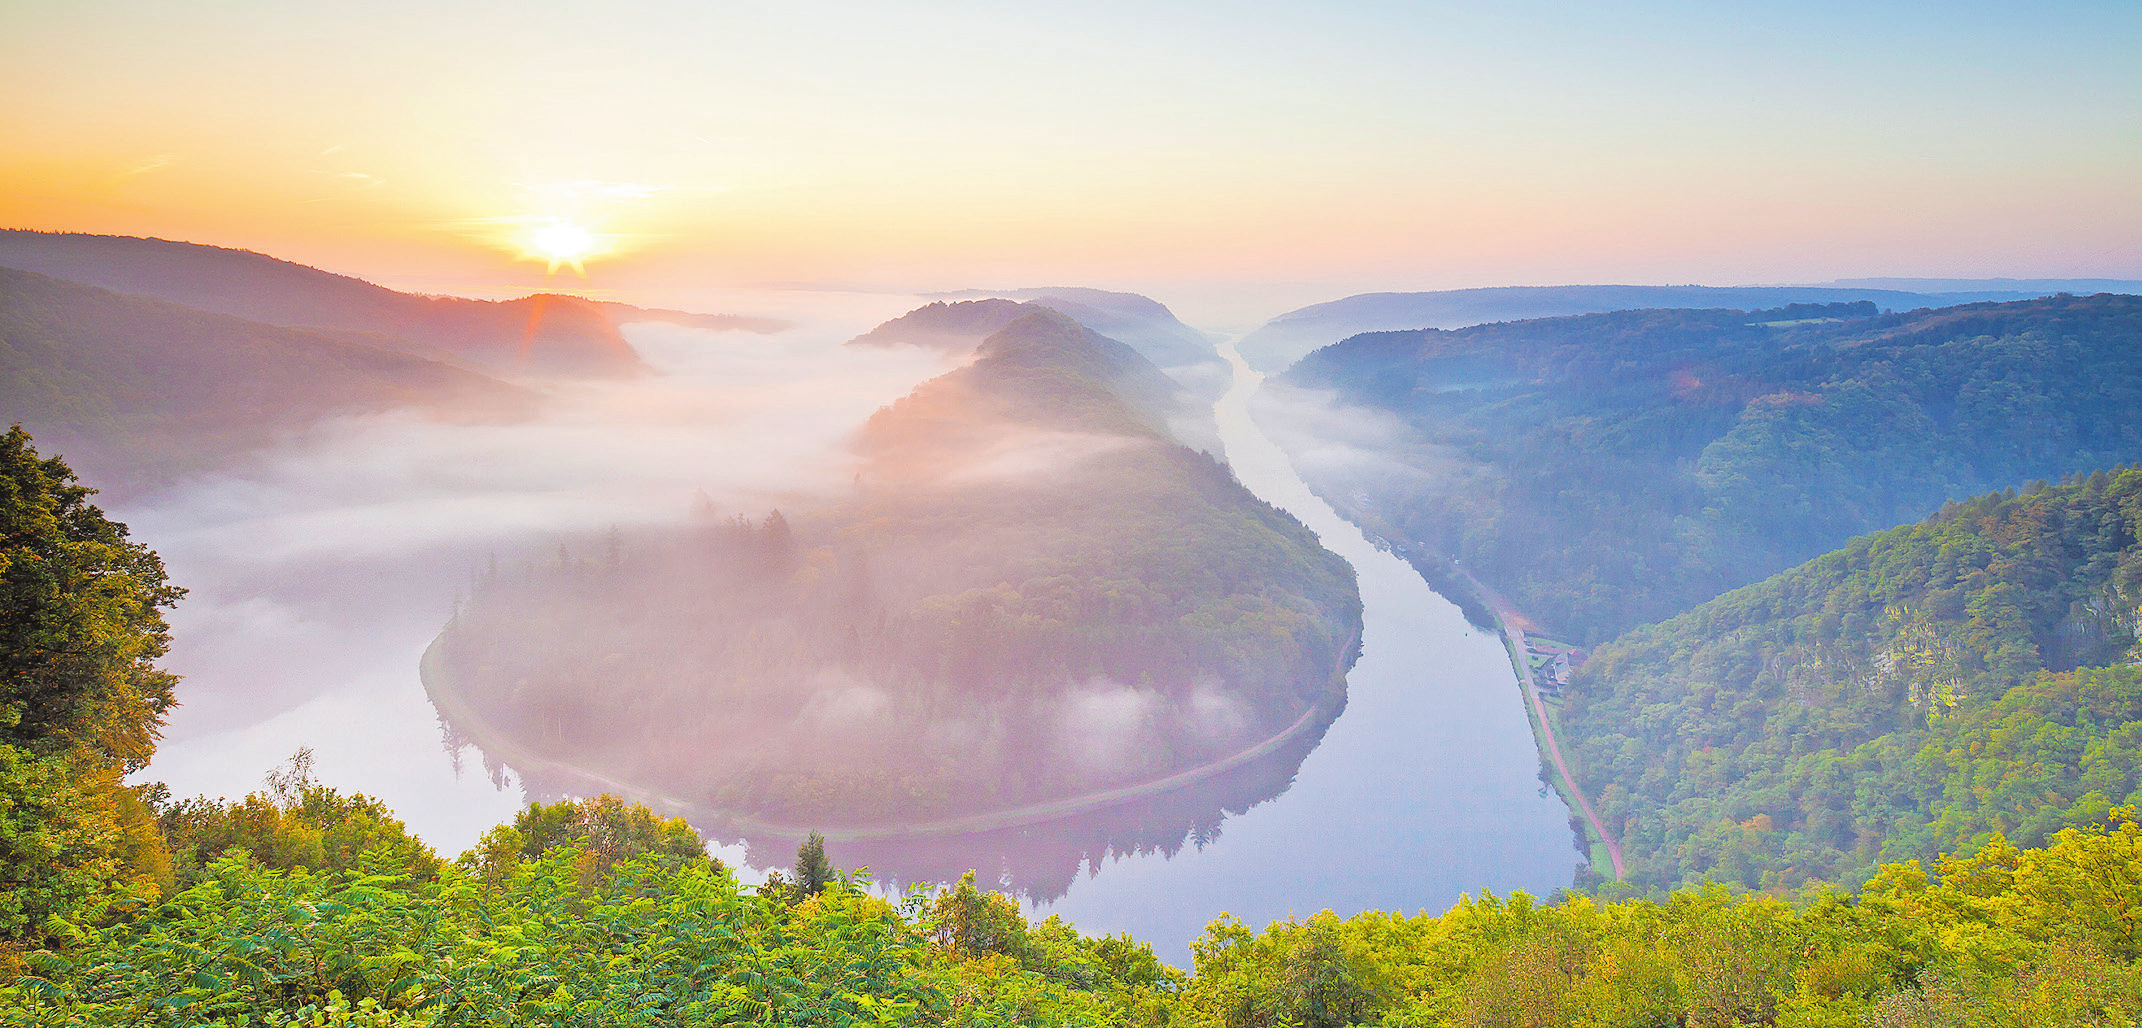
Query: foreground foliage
{"type": "Point", "coordinates": [2002, 937]}
{"type": "Point", "coordinates": [81, 702]}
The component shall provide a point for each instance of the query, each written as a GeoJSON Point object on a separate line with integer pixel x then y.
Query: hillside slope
{"type": "Point", "coordinates": [960, 328]}
{"type": "Point", "coordinates": [1609, 470]}
{"type": "Point", "coordinates": [1290, 336]}
{"type": "Point", "coordinates": [139, 392]}
{"type": "Point", "coordinates": [543, 334]}
{"type": "Point", "coordinates": [1913, 693]}
{"type": "Point", "coordinates": [1141, 322]}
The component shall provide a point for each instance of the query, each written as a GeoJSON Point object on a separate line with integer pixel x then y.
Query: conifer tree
{"type": "Point", "coordinates": [812, 871]}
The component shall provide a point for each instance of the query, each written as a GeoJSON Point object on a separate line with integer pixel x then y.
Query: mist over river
{"type": "Point", "coordinates": [319, 579]}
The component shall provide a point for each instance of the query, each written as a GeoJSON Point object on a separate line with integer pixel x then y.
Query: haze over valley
{"type": "Point", "coordinates": [1159, 516]}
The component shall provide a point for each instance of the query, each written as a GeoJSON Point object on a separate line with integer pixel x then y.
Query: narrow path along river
{"type": "Point", "coordinates": [1427, 787]}
{"type": "Point", "coordinates": [1546, 730]}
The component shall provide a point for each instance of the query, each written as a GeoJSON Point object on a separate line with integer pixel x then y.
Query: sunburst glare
{"type": "Point", "coordinates": [561, 242]}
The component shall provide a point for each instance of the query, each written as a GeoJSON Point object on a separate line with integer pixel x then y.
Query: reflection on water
{"type": "Point", "coordinates": [1039, 861]}
{"type": "Point", "coordinates": [1426, 787]}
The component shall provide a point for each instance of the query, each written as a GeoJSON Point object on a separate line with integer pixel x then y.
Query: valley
{"type": "Point", "coordinates": [990, 600]}
{"type": "Point", "coordinates": [1608, 470]}
{"type": "Point", "coordinates": [952, 515]}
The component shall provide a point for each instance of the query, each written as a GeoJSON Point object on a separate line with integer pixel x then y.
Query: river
{"type": "Point", "coordinates": [313, 603]}
{"type": "Point", "coordinates": [1426, 788]}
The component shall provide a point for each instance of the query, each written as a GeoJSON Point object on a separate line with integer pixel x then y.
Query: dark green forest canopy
{"type": "Point", "coordinates": [1609, 470]}
{"type": "Point", "coordinates": [1912, 693]}
{"type": "Point", "coordinates": [1032, 595]}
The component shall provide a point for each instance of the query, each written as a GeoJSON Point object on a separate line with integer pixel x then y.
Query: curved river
{"type": "Point", "coordinates": [318, 585]}
{"type": "Point", "coordinates": [1426, 788]}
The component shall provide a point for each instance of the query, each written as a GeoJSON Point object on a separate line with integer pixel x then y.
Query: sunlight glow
{"type": "Point", "coordinates": [561, 242]}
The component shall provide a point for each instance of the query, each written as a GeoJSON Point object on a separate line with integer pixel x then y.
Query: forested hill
{"type": "Point", "coordinates": [955, 327]}
{"type": "Point", "coordinates": [542, 334]}
{"type": "Point", "coordinates": [1290, 336]}
{"type": "Point", "coordinates": [961, 328]}
{"type": "Point", "coordinates": [1910, 694]}
{"type": "Point", "coordinates": [1145, 324]}
{"type": "Point", "coordinates": [1614, 469]}
{"type": "Point", "coordinates": [1030, 598]}
{"type": "Point", "coordinates": [141, 391]}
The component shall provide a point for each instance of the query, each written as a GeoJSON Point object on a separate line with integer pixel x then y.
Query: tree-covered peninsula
{"type": "Point", "coordinates": [1033, 597]}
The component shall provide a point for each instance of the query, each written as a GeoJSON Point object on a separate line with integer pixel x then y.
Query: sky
{"type": "Point", "coordinates": [1247, 153]}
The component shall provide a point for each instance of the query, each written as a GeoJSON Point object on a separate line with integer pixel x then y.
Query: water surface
{"type": "Point", "coordinates": [1426, 788]}
{"type": "Point", "coordinates": [318, 585]}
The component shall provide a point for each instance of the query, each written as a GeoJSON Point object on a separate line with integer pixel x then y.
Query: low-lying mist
{"type": "Point", "coordinates": [320, 568]}
{"type": "Point", "coordinates": [1030, 595]}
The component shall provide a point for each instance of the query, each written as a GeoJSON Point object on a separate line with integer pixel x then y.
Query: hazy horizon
{"type": "Point", "coordinates": [1233, 162]}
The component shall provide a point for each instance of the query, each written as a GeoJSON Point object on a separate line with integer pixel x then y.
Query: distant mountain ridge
{"type": "Point", "coordinates": [956, 327]}
{"type": "Point", "coordinates": [964, 326]}
{"type": "Point", "coordinates": [139, 392]}
{"type": "Point", "coordinates": [1290, 336]}
{"type": "Point", "coordinates": [2025, 288]}
{"type": "Point", "coordinates": [1145, 324]}
{"type": "Point", "coordinates": [544, 334]}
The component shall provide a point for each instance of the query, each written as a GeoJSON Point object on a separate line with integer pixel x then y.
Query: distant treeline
{"type": "Point", "coordinates": [1815, 312]}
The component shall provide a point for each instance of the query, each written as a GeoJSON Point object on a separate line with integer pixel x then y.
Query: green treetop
{"type": "Point", "coordinates": [81, 700]}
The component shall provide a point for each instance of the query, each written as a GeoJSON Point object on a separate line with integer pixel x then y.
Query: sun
{"type": "Point", "coordinates": [562, 242]}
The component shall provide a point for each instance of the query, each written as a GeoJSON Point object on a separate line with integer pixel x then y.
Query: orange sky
{"type": "Point", "coordinates": [1356, 146]}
